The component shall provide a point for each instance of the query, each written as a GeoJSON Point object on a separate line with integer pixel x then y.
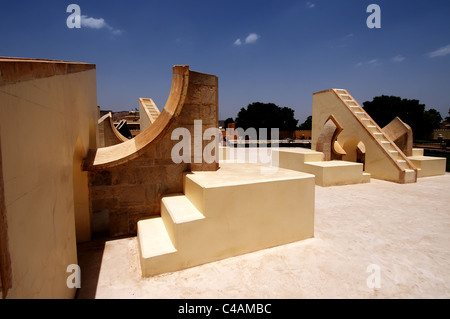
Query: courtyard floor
{"type": "Point", "coordinates": [399, 234]}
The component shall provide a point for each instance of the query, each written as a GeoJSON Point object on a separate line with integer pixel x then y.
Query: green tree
{"type": "Point", "coordinates": [266, 115]}
{"type": "Point", "coordinates": [228, 121]}
{"type": "Point", "coordinates": [383, 109]}
{"type": "Point", "coordinates": [307, 125]}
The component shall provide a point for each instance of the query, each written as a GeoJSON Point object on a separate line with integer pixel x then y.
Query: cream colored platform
{"type": "Point", "coordinates": [226, 213]}
{"type": "Point", "coordinates": [327, 173]}
{"type": "Point", "coordinates": [427, 165]}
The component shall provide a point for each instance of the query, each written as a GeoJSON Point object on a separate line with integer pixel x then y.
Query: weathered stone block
{"type": "Point", "coordinates": [100, 178]}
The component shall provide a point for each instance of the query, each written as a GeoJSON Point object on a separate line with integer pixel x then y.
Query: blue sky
{"type": "Point", "coordinates": [286, 51]}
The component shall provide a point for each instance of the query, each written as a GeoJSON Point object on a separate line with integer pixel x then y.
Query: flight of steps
{"type": "Point", "coordinates": [389, 147]}
{"type": "Point", "coordinates": [221, 214]}
{"type": "Point", "coordinates": [151, 108]}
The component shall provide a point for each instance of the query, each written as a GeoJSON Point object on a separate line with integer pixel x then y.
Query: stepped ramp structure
{"type": "Point", "coordinates": [149, 112]}
{"type": "Point", "coordinates": [226, 213]}
{"type": "Point", "coordinates": [361, 138]}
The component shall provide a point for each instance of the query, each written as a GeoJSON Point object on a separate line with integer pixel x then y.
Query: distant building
{"type": "Point", "coordinates": [444, 130]}
{"type": "Point", "coordinates": [129, 126]}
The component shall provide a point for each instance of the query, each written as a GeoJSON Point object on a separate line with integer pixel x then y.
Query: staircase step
{"type": "Point", "coordinates": [386, 144]}
{"type": "Point", "coordinates": [402, 163]}
{"type": "Point", "coordinates": [179, 216]}
{"type": "Point", "coordinates": [180, 209]}
{"type": "Point", "coordinates": [373, 128]}
{"type": "Point", "coordinates": [394, 154]}
{"type": "Point", "coordinates": [346, 97]}
{"type": "Point", "coordinates": [366, 177]}
{"type": "Point", "coordinates": [379, 136]}
{"type": "Point", "coordinates": [352, 104]}
{"type": "Point", "coordinates": [417, 152]}
{"type": "Point", "coordinates": [153, 238]}
{"type": "Point", "coordinates": [410, 176]}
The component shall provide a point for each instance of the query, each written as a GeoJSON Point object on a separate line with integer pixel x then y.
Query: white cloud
{"type": "Point", "coordinates": [310, 5]}
{"type": "Point", "coordinates": [93, 23]}
{"type": "Point", "coordinates": [348, 36]}
{"type": "Point", "coordinates": [399, 58]}
{"type": "Point", "coordinates": [440, 52]}
{"type": "Point", "coordinates": [372, 63]}
{"type": "Point", "coordinates": [252, 38]}
{"type": "Point", "coordinates": [116, 31]}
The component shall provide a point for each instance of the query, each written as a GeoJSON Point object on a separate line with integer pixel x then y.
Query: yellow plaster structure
{"type": "Point", "coordinates": [386, 153]}
{"type": "Point", "coordinates": [148, 111]}
{"type": "Point", "coordinates": [327, 173]}
{"type": "Point", "coordinates": [48, 113]}
{"type": "Point", "coordinates": [226, 213]}
{"type": "Point", "coordinates": [382, 159]}
{"type": "Point", "coordinates": [427, 165]}
{"type": "Point", "coordinates": [402, 135]}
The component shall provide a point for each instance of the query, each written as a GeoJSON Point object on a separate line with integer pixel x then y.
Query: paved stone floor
{"type": "Point", "coordinates": [404, 230]}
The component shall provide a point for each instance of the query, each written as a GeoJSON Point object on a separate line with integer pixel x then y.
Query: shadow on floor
{"type": "Point", "coordinates": [90, 256]}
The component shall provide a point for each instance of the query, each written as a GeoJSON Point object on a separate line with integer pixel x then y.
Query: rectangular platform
{"type": "Point", "coordinates": [428, 165]}
{"type": "Point", "coordinates": [334, 173]}
{"type": "Point", "coordinates": [327, 173]}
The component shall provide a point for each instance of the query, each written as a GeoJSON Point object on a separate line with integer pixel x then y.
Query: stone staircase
{"type": "Point", "coordinates": [388, 147]}
{"type": "Point", "coordinates": [151, 108]}
{"type": "Point", "coordinates": [226, 213]}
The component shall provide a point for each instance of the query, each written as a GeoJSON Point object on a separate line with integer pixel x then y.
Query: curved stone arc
{"type": "Point", "coordinates": [327, 141]}
{"type": "Point", "coordinates": [111, 135]}
{"type": "Point", "coordinates": [111, 156]}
